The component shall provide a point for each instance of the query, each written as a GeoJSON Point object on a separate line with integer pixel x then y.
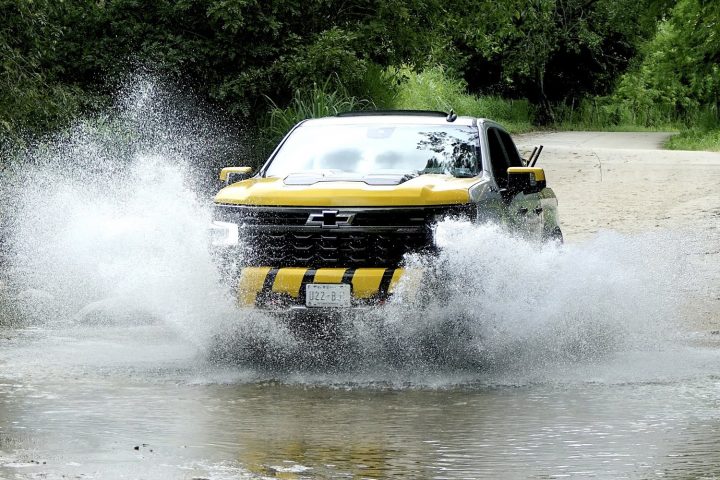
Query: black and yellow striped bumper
{"type": "Point", "coordinates": [285, 287]}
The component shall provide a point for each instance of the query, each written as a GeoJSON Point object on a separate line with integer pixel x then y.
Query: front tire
{"type": "Point", "coordinates": [555, 236]}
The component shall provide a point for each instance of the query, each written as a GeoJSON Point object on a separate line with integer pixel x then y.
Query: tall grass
{"type": "Point", "coordinates": [433, 89]}
{"type": "Point", "coordinates": [395, 89]}
{"type": "Point", "coordinates": [402, 88]}
{"type": "Point", "coordinates": [607, 113]}
{"type": "Point", "coordinates": [320, 101]}
{"type": "Point", "coordinates": [699, 127]}
{"type": "Point", "coordinates": [695, 139]}
{"type": "Point", "coordinates": [702, 134]}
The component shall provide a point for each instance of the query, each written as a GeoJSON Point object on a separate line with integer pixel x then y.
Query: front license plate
{"type": "Point", "coordinates": [327, 295]}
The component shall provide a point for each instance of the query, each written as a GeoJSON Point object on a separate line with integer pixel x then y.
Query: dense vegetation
{"type": "Point", "coordinates": [584, 63]}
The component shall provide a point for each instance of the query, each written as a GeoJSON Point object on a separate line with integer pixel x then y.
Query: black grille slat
{"type": "Point", "coordinates": [317, 249]}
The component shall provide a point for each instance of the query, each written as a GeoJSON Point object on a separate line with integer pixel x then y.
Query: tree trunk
{"type": "Point", "coordinates": [544, 114]}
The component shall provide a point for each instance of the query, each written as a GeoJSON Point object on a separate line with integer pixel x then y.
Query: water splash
{"type": "Point", "coordinates": [491, 304]}
{"type": "Point", "coordinates": [504, 302]}
{"type": "Point", "coordinates": [108, 226]}
{"type": "Point", "coordinates": [107, 222]}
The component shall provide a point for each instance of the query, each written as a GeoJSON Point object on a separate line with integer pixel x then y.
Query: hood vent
{"type": "Point", "coordinates": [373, 180]}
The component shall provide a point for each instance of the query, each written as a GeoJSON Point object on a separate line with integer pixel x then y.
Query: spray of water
{"type": "Point", "coordinates": [108, 224]}
{"type": "Point", "coordinates": [499, 301]}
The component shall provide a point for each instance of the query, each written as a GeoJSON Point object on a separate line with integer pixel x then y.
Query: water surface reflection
{"type": "Point", "coordinates": [190, 420]}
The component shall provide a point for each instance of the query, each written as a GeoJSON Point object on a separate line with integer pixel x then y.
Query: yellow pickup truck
{"type": "Point", "coordinates": [326, 222]}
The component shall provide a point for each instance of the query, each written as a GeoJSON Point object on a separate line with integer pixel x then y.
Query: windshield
{"type": "Point", "coordinates": [379, 149]}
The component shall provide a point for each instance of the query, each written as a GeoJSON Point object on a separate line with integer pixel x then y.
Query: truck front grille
{"type": "Point", "coordinates": [330, 248]}
{"type": "Point", "coordinates": [368, 237]}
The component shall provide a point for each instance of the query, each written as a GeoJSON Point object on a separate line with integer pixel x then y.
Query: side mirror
{"type": "Point", "coordinates": [526, 179]}
{"type": "Point", "coordinates": [234, 174]}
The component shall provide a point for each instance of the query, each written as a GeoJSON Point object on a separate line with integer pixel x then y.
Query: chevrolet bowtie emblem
{"type": "Point", "coordinates": [330, 219]}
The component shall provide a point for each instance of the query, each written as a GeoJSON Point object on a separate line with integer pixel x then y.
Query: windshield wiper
{"type": "Point", "coordinates": [457, 173]}
{"type": "Point", "coordinates": [410, 175]}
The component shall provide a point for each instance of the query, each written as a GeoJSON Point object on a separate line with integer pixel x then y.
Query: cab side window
{"type": "Point", "coordinates": [498, 157]}
{"type": "Point", "coordinates": [510, 149]}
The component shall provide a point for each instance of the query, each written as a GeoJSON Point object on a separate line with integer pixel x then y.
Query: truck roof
{"type": "Point", "coordinates": [411, 117]}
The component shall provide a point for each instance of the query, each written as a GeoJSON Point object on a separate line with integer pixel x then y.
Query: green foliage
{"type": "Point", "coordinates": [675, 82]}
{"type": "Point", "coordinates": [319, 101]}
{"type": "Point", "coordinates": [434, 89]}
{"type": "Point", "coordinates": [559, 60]}
{"type": "Point", "coordinates": [691, 139]}
{"type": "Point", "coordinates": [605, 113]}
{"type": "Point", "coordinates": [395, 89]}
{"type": "Point", "coordinates": [381, 86]}
{"type": "Point", "coordinates": [332, 54]}
{"type": "Point", "coordinates": [378, 89]}
{"type": "Point", "coordinates": [680, 67]}
{"type": "Point", "coordinates": [555, 50]}
{"type": "Point", "coordinates": [704, 134]}
{"type": "Point", "coordinates": [31, 101]}
{"type": "Point", "coordinates": [58, 59]}
{"type": "Point", "coordinates": [431, 89]}
{"type": "Point", "coordinates": [238, 52]}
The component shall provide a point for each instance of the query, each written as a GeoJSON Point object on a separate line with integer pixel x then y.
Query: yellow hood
{"type": "Point", "coordinates": [422, 190]}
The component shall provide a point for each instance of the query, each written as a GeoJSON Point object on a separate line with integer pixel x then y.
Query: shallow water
{"type": "Point", "coordinates": [79, 402]}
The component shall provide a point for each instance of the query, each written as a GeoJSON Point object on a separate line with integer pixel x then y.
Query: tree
{"type": "Point", "coordinates": [31, 99]}
{"type": "Point", "coordinates": [238, 52]}
{"type": "Point", "coordinates": [680, 67]}
{"type": "Point", "coordinates": [553, 50]}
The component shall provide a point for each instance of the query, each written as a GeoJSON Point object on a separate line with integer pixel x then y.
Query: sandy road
{"type": "Point", "coordinates": [625, 182]}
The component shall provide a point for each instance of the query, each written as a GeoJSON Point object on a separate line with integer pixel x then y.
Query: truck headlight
{"type": "Point", "coordinates": [224, 234]}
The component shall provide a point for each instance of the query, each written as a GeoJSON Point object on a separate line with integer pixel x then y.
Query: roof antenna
{"type": "Point", "coordinates": [452, 116]}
